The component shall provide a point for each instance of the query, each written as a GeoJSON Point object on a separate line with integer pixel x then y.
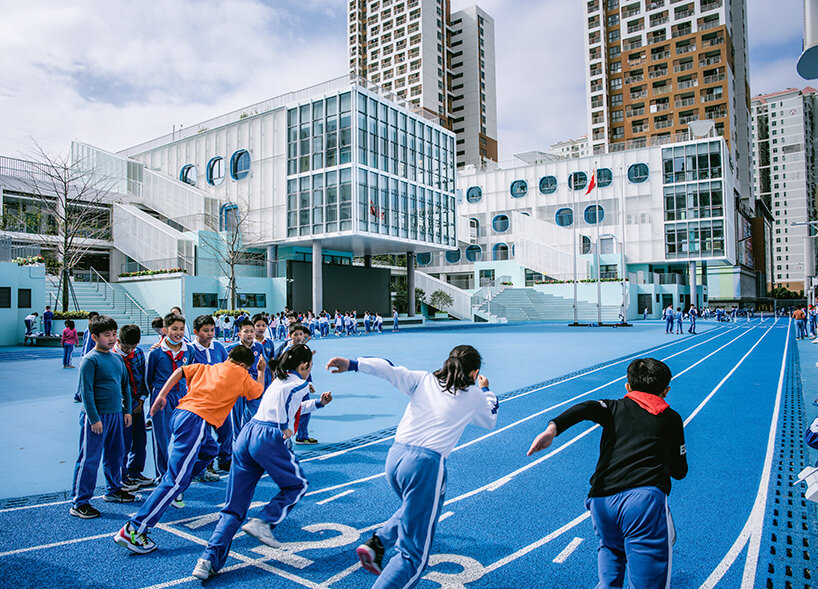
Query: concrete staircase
{"type": "Point", "coordinates": [528, 304]}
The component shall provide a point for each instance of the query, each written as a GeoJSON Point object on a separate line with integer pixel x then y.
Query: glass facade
{"type": "Point", "coordinates": [398, 170]}
{"type": "Point", "coordinates": [693, 200]}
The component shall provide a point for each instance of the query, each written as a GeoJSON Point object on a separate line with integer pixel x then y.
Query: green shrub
{"type": "Point", "coordinates": [153, 272]}
{"type": "Point", "coordinates": [70, 314]}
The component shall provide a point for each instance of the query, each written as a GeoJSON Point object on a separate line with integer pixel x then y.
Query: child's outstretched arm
{"type": "Point", "coordinates": [596, 411]}
{"type": "Point", "coordinates": [401, 378]}
{"type": "Point", "coordinates": [161, 398]}
{"type": "Point", "coordinates": [486, 415]}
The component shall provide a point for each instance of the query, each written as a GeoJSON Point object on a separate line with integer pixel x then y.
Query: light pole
{"type": "Point", "coordinates": [809, 259]}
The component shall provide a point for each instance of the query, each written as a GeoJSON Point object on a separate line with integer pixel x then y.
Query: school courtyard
{"type": "Point", "coordinates": [745, 391]}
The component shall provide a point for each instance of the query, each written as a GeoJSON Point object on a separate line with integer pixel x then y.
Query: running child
{"type": "Point", "coordinates": [106, 410]}
{"type": "Point", "coordinates": [300, 335]}
{"type": "Point", "coordinates": [442, 404]}
{"type": "Point", "coordinates": [262, 447]}
{"type": "Point", "coordinates": [642, 447]}
{"type": "Point", "coordinates": [244, 409]}
{"type": "Point", "coordinates": [212, 390]}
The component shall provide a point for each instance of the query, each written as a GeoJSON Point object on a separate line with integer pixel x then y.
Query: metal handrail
{"type": "Point", "coordinates": [96, 279]}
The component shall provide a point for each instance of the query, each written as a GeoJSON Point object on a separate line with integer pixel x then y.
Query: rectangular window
{"type": "Point", "coordinates": [5, 297]}
{"type": "Point", "coordinates": [256, 300]}
{"type": "Point", "coordinates": [205, 299]}
{"type": "Point", "coordinates": [23, 298]}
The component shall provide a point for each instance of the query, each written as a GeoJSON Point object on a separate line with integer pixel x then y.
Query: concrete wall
{"type": "Point", "coordinates": [15, 278]}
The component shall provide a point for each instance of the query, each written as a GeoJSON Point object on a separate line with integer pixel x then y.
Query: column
{"type": "Point", "coordinates": [410, 282]}
{"type": "Point", "coordinates": [272, 259]}
{"type": "Point", "coordinates": [694, 291]}
{"type": "Point", "coordinates": [367, 260]}
{"type": "Point", "coordinates": [317, 277]}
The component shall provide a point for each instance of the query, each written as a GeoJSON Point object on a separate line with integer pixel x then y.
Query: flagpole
{"type": "Point", "coordinates": [598, 277]}
{"type": "Point", "coordinates": [574, 236]}
{"type": "Point", "coordinates": [622, 249]}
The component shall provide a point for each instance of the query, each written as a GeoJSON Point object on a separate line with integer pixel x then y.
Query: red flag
{"type": "Point", "coordinates": [591, 184]}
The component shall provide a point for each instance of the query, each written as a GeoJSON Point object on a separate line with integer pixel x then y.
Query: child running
{"type": "Point", "coordinates": [642, 447]}
{"type": "Point", "coordinates": [442, 404]}
{"type": "Point", "coordinates": [262, 447]}
{"type": "Point", "coordinates": [212, 390]}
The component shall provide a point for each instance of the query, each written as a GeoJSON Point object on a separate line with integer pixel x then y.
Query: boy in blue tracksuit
{"type": "Point", "coordinates": [206, 350]}
{"type": "Point", "coordinates": [642, 447]}
{"type": "Point", "coordinates": [394, 319]}
{"type": "Point", "coordinates": [261, 326]}
{"type": "Point", "coordinates": [679, 316]}
{"type": "Point", "coordinates": [172, 353]}
{"type": "Point", "coordinates": [669, 319]}
{"type": "Point", "coordinates": [87, 345]}
{"type": "Point", "coordinates": [48, 319]}
{"type": "Point", "coordinates": [692, 314]}
{"type": "Point", "coordinates": [244, 409]}
{"type": "Point", "coordinates": [106, 410]}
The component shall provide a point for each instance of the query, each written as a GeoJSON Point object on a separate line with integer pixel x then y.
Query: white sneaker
{"type": "Point", "coordinates": [260, 530]}
{"type": "Point", "coordinates": [204, 569]}
{"type": "Point", "coordinates": [179, 502]}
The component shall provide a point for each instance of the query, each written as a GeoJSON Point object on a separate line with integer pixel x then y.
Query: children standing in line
{"type": "Point", "coordinates": [106, 410]}
{"type": "Point", "coordinates": [262, 447]}
{"type": "Point", "coordinates": [442, 404]}
{"type": "Point", "coordinates": [163, 361]}
{"type": "Point", "coordinates": [212, 392]}
{"type": "Point", "coordinates": [87, 346]}
{"type": "Point", "coordinates": [135, 436]}
{"type": "Point", "coordinates": [243, 409]}
{"type": "Point", "coordinates": [642, 447]}
{"type": "Point", "coordinates": [48, 318]}
{"type": "Point", "coordinates": [68, 339]}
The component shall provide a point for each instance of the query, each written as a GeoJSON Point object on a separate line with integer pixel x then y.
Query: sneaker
{"type": "Point", "coordinates": [143, 481]}
{"type": "Point", "coordinates": [129, 484]}
{"type": "Point", "coordinates": [306, 441]}
{"type": "Point", "coordinates": [204, 569]}
{"type": "Point", "coordinates": [207, 477]}
{"type": "Point", "coordinates": [260, 530]}
{"type": "Point", "coordinates": [371, 555]}
{"type": "Point", "coordinates": [148, 425]}
{"type": "Point", "coordinates": [119, 496]}
{"type": "Point", "coordinates": [179, 502]}
{"type": "Point", "coordinates": [139, 543]}
{"type": "Point", "coordinates": [84, 511]}
{"type": "Point", "coordinates": [211, 468]}
{"type": "Point", "coordinates": [223, 464]}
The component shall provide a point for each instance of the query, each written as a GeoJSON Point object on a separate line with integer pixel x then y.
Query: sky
{"type": "Point", "coordinates": [114, 73]}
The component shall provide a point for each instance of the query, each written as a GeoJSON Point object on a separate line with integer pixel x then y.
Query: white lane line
{"type": "Point", "coordinates": [342, 575]}
{"type": "Point", "coordinates": [334, 497]}
{"type": "Point", "coordinates": [341, 452]}
{"type": "Point", "coordinates": [567, 551]}
{"type": "Point", "coordinates": [347, 484]}
{"type": "Point", "coordinates": [445, 515]}
{"type": "Point", "coordinates": [56, 544]}
{"type": "Point", "coordinates": [752, 529]}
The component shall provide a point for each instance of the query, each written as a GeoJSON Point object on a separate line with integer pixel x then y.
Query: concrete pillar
{"type": "Point", "coordinates": [272, 259]}
{"type": "Point", "coordinates": [317, 277]}
{"type": "Point", "coordinates": [694, 290]}
{"type": "Point", "coordinates": [410, 281]}
{"type": "Point", "coordinates": [367, 260]}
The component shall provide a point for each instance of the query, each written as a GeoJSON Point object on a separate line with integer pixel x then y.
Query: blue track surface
{"type": "Point", "coordinates": [509, 520]}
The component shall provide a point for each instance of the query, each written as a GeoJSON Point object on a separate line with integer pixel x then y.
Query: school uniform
{"type": "Point", "coordinates": [693, 314]}
{"type": "Point", "coordinates": [135, 437]}
{"type": "Point", "coordinates": [48, 319]}
{"type": "Point", "coordinates": [162, 362]}
{"type": "Point", "coordinates": [213, 390]}
{"type": "Point", "coordinates": [87, 345]}
{"type": "Point", "coordinates": [269, 353]}
{"type": "Point", "coordinates": [395, 321]}
{"type": "Point", "coordinates": [379, 322]}
{"type": "Point", "coordinates": [416, 465]}
{"type": "Point", "coordinates": [261, 448]}
{"type": "Point", "coordinates": [366, 323]}
{"type": "Point", "coordinates": [669, 317]}
{"type": "Point", "coordinates": [105, 398]}
{"type": "Point", "coordinates": [29, 321]}
{"type": "Point", "coordinates": [679, 319]}
{"type": "Point", "coordinates": [339, 324]}
{"type": "Point", "coordinates": [216, 354]}
{"type": "Point", "coordinates": [244, 409]}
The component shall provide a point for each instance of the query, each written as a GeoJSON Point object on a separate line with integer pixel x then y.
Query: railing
{"type": "Point", "coordinates": [662, 90]}
{"type": "Point", "coordinates": [685, 48]}
{"type": "Point", "coordinates": [710, 61]}
{"type": "Point", "coordinates": [489, 291]}
{"type": "Point", "coordinates": [687, 84]}
{"type": "Point", "coordinates": [461, 300]}
{"type": "Point", "coordinates": [712, 97]}
{"type": "Point", "coordinates": [11, 249]}
{"type": "Point", "coordinates": [639, 94]}
{"type": "Point", "coordinates": [659, 55]}
{"type": "Point", "coordinates": [121, 300]}
{"type": "Point", "coordinates": [713, 79]}
{"type": "Point", "coordinates": [662, 124]}
{"type": "Point", "coordinates": [657, 73]}
{"type": "Point", "coordinates": [685, 102]}
{"type": "Point", "coordinates": [683, 67]}
{"type": "Point", "coordinates": [712, 42]}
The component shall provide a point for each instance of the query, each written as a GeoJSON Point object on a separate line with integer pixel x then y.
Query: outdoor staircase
{"type": "Point", "coordinates": [528, 304]}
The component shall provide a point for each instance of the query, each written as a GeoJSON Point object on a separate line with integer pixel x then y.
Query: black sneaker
{"type": "Point", "coordinates": [84, 511]}
{"type": "Point", "coordinates": [306, 441]}
{"type": "Point", "coordinates": [371, 554]}
{"type": "Point", "coordinates": [223, 464]}
{"type": "Point", "coordinates": [129, 484]}
{"type": "Point", "coordinates": [148, 425]}
{"type": "Point", "coordinates": [142, 480]}
{"type": "Point", "coordinates": [211, 468]}
{"type": "Point", "coordinates": [119, 496]}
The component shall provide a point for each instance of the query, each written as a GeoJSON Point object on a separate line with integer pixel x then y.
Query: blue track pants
{"type": "Point", "coordinates": [109, 446]}
{"type": "Point", "coordinates": [136, 446]}
{"type": "Point", "coordinates": [635, 530]}
{"type": "Point", "coordinates": [224, 438]}
{"type": "Point", "coordinates": [162, 431]}
{"type": "Point", "coordinates": [259, 449]}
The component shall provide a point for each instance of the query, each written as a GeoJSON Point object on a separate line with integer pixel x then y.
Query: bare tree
{"type": "Point", "coordinates": [73, 209]}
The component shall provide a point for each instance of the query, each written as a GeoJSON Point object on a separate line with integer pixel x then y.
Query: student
{"type": "Point", "coordinates": [642, 447]}
{"type": "Point", "coordinates": [669, 318]}
{"type": "Point", "coordinates": [106, 409]}
{"type": "Point", "coordinates": [208, 351]}
{"type": "Point", "coordinates": [48, 318]}
{"type": "Point", "coordinates": [645, 314]}
{"type": "Point", "coordinates": [29, 321]}
{"type": "Point", "coordinates": [692, 314]}
{"type": "Point", "coordinates": [135, 435]}
{"type": "Point", "coordinates": [212, 392]}
{"type": "Point", "coordinates": [163, 361]}
{"type": "Point", "coordinates": [394, 320]}
{"type": "Point", "coordinates": [188, 333]}
{"type": "Point", "coordinates": [158, 326]}
{"type": "Point", "coordinates": [379, 322]}
{"type": "Point", "coordinates": [244, 409]}
{"type": "Point", "coordinates": [366, 321]}
{"type": "Point", "coordinates": [300, 335]}
{"type": "Point", "coordinates": [260, 325]}
{"type": "Point", "coordinates": [68, 339]}
{"type": "Point", "coordinates": [679, 317]}
{"type": "Point", "coordinates": [262, 447]}
{"type": "Point", "coordinates": [87, 346]}
{"type": "Point", "coordinates": [441, 405]}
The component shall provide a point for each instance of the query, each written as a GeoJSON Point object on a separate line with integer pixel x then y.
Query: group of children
{"type": "Point", "coordinates": [676, 317]}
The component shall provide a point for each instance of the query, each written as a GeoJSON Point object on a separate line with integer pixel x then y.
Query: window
{"type": "Point", "coordinates": [205, 299]}
{"type": "Point", "coordinates": [548, 184]}
{"type": "Point", "coordinates": [240, 164]}
{"type": "Point", "coordinates": [188, 174]}
{"type": "Point", "coordinates": [604, 177]}
{"type": "Point", "coordinates": [638, 173]}
{"type": "Point", "coordinates": [424, 259]}
{"type": "Point", "coordinates": [215, 171]}
{"type": "Point", "coordinates": [519, 188]}
{"type": "Point", "coordinates": [499, 252]}
{"type": "Point", "coordinates": [594, 214]}
{"type": "Point", "coordinates": [565, 217]}
{"type": "Point", "coordinates": [5, 297]}
{"type": "Point", "coordinates": [585, 247]}
{"type": "Point", "coordinates": [23, 298]}
{"type": "Point", "coordinates": [500, 223]}
{"type": "Point", "coordinates": [256, 300]}
{"type": "Point", "coordinates": [474, 194]}
{"type": "Point", "coordinates": [453, 257]}
{"type": "Point", "coordinates": [577, 180]}
{"type": "Point", "coordinates": [229, 217]}
{"type": "Point", "coordinates": [474, 253]}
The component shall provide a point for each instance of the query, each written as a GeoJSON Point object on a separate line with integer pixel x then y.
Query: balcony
{"type": "Point", "coordinates": [661, 90]}
{"type": "Point", "coordinates": [634, 44]}
{"type": "Point", "coordinates": [715, 114]}
{"type": "Point", "coordinates": [639, 94]}
{"type": "Point", "coordinates": [685, 48]}
{"type": "Point", "coordinates": [658, 73]}
{"type": "Point", "coordinates": [712, 97]}
{"type": "Point", "coordinates": [711, 5]}
{"type": "Point", "coordinates": [660, 55]}
{"type": "Point", "coordinates": [660, 107]}
{"type": "Point", "coordinates": [635, 112]}
{"type": "Point", "coordinates": [682, 67]}
{"type": "Point", "coordinates": [638, 129]}
{"type": "Point", "coordinates": [662, 124]}
{"type": "Point", "coordinates": [680, 32]}
{"type": "Point", "coordinates": [710, 61]}
{"type": "Point", "coordinates": [712, 24]}
{"type": "Point", "coordinates": [712, 42]}
{"type": "Point", "coordinates": [635, 27]}
{"type": "Point", "coordinates": [659, 21]}
{"type": "Point", "coordinates": [630, 12]}
{"type": "Point", "coordinates": [685, 102]}
{"type": "Point", "coordinates": [634, 79]}
{"type": "Point", "coordinates": [687, 118]}
{"type": "Point", "coordinates": [637, 61]}
{"type": "Point", "coordinates": [684, 13]}
{"type": "Point", "coordinates": [688, 84]}
{"type": "Point", "coordinates": [713, 79]}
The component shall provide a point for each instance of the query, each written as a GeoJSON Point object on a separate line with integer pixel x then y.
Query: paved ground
{"type": "Point", "coordinates": [509, 520]}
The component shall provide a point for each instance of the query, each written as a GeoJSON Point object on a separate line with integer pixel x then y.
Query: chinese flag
{"type": "Point", "coordinates": [591, 184]}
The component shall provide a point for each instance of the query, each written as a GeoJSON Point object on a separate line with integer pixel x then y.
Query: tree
{"type": "Point", "coordinates": [401, 297]}
{"type": "Point", "coordinates": [441, 300]}
{"type": "Point", "coordinates": [72, 209]}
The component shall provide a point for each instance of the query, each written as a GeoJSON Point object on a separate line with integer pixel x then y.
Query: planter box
{"type": "Point", "coordinates": [151, 277]}
{"type": "Point", "coordinates": [59, 324]}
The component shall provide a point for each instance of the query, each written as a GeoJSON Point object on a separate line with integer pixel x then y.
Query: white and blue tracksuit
{"type": "Point", "coordinates": [303, 431]}
{"type": "Point", "coordinates": [261, 448]}
{"type": "Point", "coordinates": [216, 354]}
{"type": "Point", "coordinates": [244, 409]}
{"type": "Point", "coordinates": [162, 362]}
{"type": "Point", "coordinates": [416, 465]}
{"type": "Point", "coordinates": [395, 321]}
{"type": "Point", "coordinates": [669, 317]}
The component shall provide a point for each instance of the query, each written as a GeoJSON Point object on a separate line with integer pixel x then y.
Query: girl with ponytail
{"type": "Point", "coordinates": [263, 446]}
{"type": "Point", "coordinates": [442, 404]}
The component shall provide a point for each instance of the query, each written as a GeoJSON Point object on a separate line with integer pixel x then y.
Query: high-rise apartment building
{"type": "Point", "coordinates": [784, 135]}
{"type": "Point", "coordinates": [442, 62]}
{"type": "Point", "coordinates": [653, 66]}
{"type": "Point", "coordinates": [571, 148]}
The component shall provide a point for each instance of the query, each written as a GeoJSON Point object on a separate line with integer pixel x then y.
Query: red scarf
{"type": "Point", "coordinates": [178, 357]}
{"type": "Point", "coordinates": [653, 404]}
